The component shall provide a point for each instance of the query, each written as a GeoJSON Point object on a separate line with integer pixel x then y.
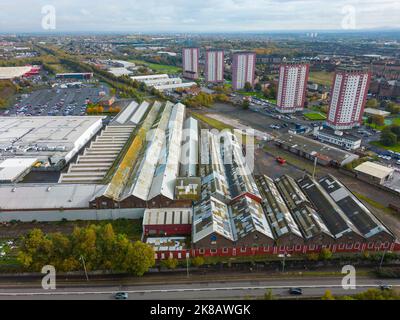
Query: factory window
{"type": "Point", "coordinates": [225, 250]}
{"type": "Point", "coordinates": [213, 250]}
{"type": "Point", "coordinates": [201, 251]}
{"type": "Point", "coordinates": [243, 249]}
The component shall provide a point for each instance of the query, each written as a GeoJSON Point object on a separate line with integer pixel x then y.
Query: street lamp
{"type": "Point", "coordinates": [283, 256]}
{"type": "Point", "coordinates": [187, 264]}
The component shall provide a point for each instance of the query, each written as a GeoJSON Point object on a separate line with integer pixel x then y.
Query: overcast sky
{"type": "Point", "coordinates": [200, 15]}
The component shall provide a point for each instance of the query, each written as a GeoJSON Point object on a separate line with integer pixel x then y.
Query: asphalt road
{"type": "Point", "coordinates": [312, 287]}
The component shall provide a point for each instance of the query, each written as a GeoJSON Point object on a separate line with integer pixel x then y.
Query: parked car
{"type": "Point", "coordinates": [280, 160]}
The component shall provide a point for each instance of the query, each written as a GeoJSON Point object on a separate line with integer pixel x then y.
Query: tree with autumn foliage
{"type": "Point", "coordinates": [100, 246]}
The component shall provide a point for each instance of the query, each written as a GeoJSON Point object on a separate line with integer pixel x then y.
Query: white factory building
{"type": "Point", "coordinates": [52, 140]}
{"type": "Point", "coordinates": [339, 138]}
{"type": "Point", "coordinates": [162, 82]}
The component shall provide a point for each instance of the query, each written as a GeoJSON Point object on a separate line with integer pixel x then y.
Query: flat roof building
{"type": "Point", "coordinates": [374, 172]}
{"type": "Point", "coordinates": [376, 112]}
{"type": "Point", "coordinates": [14, 169]}
{"type": "Point", "coordinates": [9, 73]}
{"type": "Point", "coordinates": [150, 77]}
{"type": "Point", "coordinates": [174, 86]}
{"type": "Point", "coordinates": [339, 138]}
{"type": "Point", "coordinates": [167, 222]}
{"type": "Point", "coordinates": [311, 149]}
{"type": "Point", "coordinates": [51, 140]}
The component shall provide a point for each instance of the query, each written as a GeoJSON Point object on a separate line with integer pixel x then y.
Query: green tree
{"type": "Point", "coordinates": [388, 138]}
{"type": "Point", "coordinates": [313, 257]}
{"type": "Point", "coordinates": [372, 103]}
{"type": "Point", "coordinates": [248, 87]}
{"type": "Point", "coordinates": [258, 87]}
{"type": "Point", "coordinates": [35, 250]}
{"type": "Point", "coordinates": [325, 254]}
{"type": "Point", "coordinates": [328, 295]}
{"type": "Point", "coordinates": [269, 295]}
{"type": "Point", "coordinates": [245, 104]}
{"type": "Point", "coordinates": [378, 120]}
{"type": "Point", "coordinates": [170, 263]}
{"type": "Point", "coordinates": [272, 91]}
{"type": "Point", "coordinates": [393, 108]}
{"type": "Point", "coordinates": [84, 245]}
{"type": "Point", "coordinates": [396, 130]}
{"type": "Point", "coordinates": [197, 261]}
{"type": "Point", "coordinates": [137, 257]}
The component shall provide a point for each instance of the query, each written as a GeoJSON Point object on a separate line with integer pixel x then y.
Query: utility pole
{"type": "Point", "coordinates": [283, 256]}
{"type": "Point", "coordinates": [383, 257]}
{"type": "Point", "coordinates": [187, 265]}
{"type": "Point", "coordinates": [84, 267]}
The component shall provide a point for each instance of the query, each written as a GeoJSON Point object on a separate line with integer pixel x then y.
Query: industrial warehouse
{"type": "Point", "coordinates": [151, 162]}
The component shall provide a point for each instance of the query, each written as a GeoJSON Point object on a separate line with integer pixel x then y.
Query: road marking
{"type": "Point", "coordinates": [61, 293]}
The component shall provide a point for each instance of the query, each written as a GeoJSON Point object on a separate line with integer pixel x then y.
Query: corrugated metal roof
{"type": "Point", "coordinates": [353, 208]}
{"type": "Point", "coordinates": [168, 167]}
{"type": "Point", "coordinates": [332, 215]}
{"type": "Point", "coordinates": [142, 183]}
{"type": "Point", "coordinates": [124, 172]}
{"type": "Point", "coordinates": [163, 216]}
{"type": "Point", "coordinates": [248, 216]}
{"type": "Point", "coordinates": [237, 170]}
{"type": "Point", "coordinates": [139, 113]}
{"type": "Point", "coordinates": [209, 216]}
{"type": "Point", "coordinates": [278, 214]}
{"type": "Point", "coordinates": [124, 116]}
{"type": "Point", "coordinates": [190, 148]}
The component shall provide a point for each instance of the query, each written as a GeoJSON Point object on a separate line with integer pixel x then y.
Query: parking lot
{"type": "Point", "coordinates": [56, 101]}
